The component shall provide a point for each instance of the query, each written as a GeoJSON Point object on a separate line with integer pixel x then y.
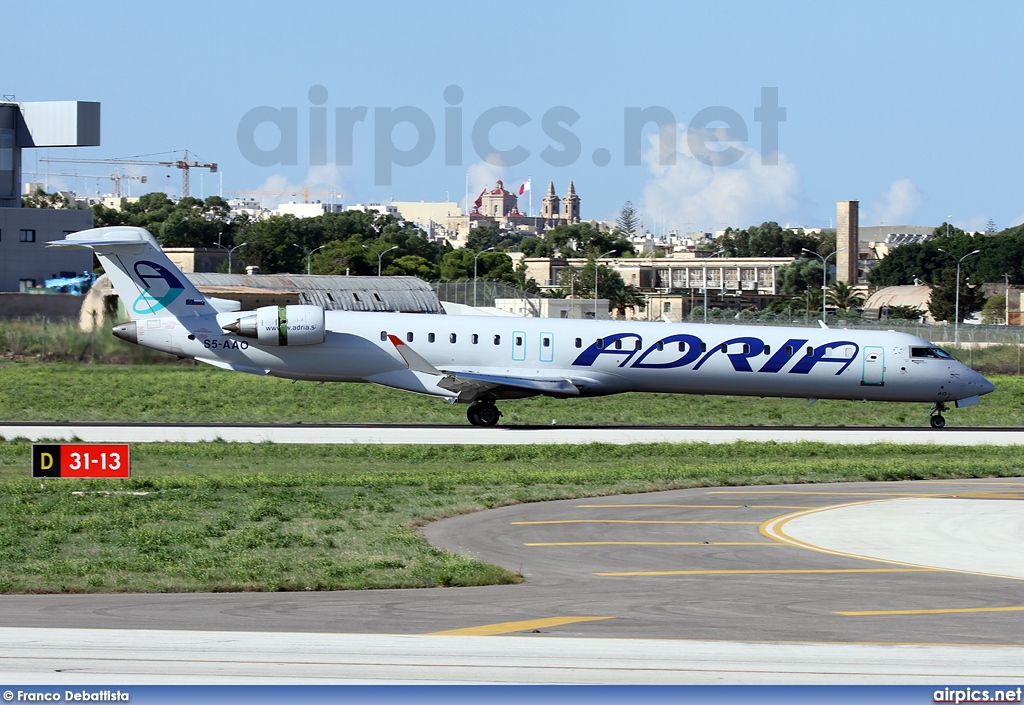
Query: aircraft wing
{"type": "Point", "coordinates": [472, 384]}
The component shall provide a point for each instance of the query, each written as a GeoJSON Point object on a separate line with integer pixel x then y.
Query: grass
{"type": "Point", "coordinates": [237, 517]}
{"type": "Point", "coordinates": [66, 391]}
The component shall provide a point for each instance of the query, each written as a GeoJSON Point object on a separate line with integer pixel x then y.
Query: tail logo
{"type": "Point", "coordinates": [160, 287]}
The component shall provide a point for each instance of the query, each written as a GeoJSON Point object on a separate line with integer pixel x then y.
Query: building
{"type": "Point", "coordinates": [499, 206]}
{"type": "Point", "coordinates": [555, 308]}
{"type": "Point", "coordinates": [24, 260]}
{"type": "Point", "coordinates": [307, 210]}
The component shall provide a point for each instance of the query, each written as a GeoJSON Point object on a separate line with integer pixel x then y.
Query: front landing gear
{"type": "Point", "coordinates": [937, 420]}
{"type": "Point", "coordinates": [483, 413]}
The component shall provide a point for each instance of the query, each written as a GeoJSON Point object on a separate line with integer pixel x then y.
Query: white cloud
{"type": "Point", "coordinates": [690, 195]}
{"type": "Point", "coordinates": [323, 183]}
{"type": "Point", "coordinates": [483, 175]}
{"type": "Point", "coordinates": [898, 205]}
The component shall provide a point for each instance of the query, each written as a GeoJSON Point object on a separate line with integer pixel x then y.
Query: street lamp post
{"type": "Point", "coordinates": [705, 265]}
{"type": "Point", "coordinates": [475, 258]}
{"type": "Point", "coordinates": [309, 256]}
{"type": "Point", "coordinates": [380, 257]}
{"type": "Point", "coordinates": [956, 311]}
{"type": "Point", "coordinates": [824, 277]}
{"type": "Point", "coordinates": [596, 269]}
{"type": "Point", "coordinates": [231, 250]}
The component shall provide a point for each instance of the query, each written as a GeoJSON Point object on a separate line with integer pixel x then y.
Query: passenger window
{"type": "Point", "coordinates": [725, 347]}
{"type": "Point", "coordinates": [810, 350]}
{"type": "Point", "coordinates": [430, 337]}
{"type": "Point", "coordinates": [546, 342]}
{"type": "Point", "coordinates": [682, 347]}
{"type": "Point", "coordinates": [497, 340]}
{"type": "Point", "coordinates": [519, 340]}
{"type": "Point", "coordinates": [637, 346]}
{"type": "Point", "coordinates": [384, 335]}
{"type": "Point", "coordinates": [600, 343]}
{"type": "Point", "coordinates": [661, 346]}
{"type": "Point", "coordinates": [789, 351]}
{"type": "Point", "coordinates": [767, 349]}
{"type": "Point", "coordinates": [451, 338]}
{"type": "Point", "coordinates": [579, 342]}
{"type": "Point", "coordinates": [475, 339]}
{"type": "Point", "coordinates": [408, 336]}
{"type": "Point", "coordinates": [703, 347]}
{"type": "Point", "coordinates": [618, 344]}
{"type": "Point", "coordinates": [746, 348]}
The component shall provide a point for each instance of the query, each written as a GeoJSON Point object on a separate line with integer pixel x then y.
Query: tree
{"type": "Point", "coordinates": [41, 199]}
{"type": "Point", "coordinates": [843, 296]}
{"type": "Point", "coordinates": [524, 282]}
{"type": "Point", "coordinates": [771, 240]}
{"type": "Point", "coordinates": [628, 220]}
{"type": "Point", "coordinates": [903, 313]}
{"type": "Point", "coordinates": [994, 310]}
{"type": "Point", "coordinates": [942, 302]}
{"type": "Point", "coordinates": [799, 275]}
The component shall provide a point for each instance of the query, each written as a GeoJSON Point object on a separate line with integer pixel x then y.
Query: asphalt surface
{"type": "Point", "coordinates": [684, 564]}
{"type": "Point", "coordinates": [498, 435]}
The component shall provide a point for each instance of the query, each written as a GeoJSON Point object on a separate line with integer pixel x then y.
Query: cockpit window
{"type": "Point", "coordinates": [930, 352]}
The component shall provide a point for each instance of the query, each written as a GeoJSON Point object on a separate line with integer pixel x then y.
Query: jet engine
{"type": "Point", "coordinates": [282, 325]}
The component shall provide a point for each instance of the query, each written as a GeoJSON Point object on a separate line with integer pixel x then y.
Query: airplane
{"type": "Point", "coordinates": [480, 360]}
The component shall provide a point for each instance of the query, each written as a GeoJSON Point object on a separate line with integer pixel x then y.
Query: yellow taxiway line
{"type": "Point", "coordinates": [629, 521]}
{"type": "Point", "coordinates": [511, 627]}
{"type": "Point", "coordinates": [770, 544]}
{"type": "Point", "coordinates": [951, 610]}
{"type": "Point", "coordinates": [782, 571]}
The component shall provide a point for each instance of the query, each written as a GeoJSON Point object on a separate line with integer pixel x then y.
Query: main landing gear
{"type": "Point", "coordinates": [483, 413]}
{"type": "Point", "coordinates": [937, 420]}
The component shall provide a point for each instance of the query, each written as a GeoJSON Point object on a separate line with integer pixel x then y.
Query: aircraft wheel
{"type": "Point", "coordinates": [488, 415]}
{"type": "Point", "coordinates": [938, 421]}
{"type": "Point", "coordinates": [473, 414]}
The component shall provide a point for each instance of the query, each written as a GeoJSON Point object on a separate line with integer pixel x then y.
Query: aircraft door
{"type": "Point", "coordinates": [518, 346]}
{"type": "Point", "coordinates": [547, 347]}
{"type": "Point", "coordinates": [873, 374]}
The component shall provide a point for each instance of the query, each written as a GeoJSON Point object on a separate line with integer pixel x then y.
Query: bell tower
{"type": "Point", "coordinates": [571, 206]}
{"type": "Point", "coordinates": [549, 209]}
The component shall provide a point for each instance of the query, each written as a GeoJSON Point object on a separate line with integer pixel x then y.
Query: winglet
{"type": "Point", "coordinates": [412, 358]}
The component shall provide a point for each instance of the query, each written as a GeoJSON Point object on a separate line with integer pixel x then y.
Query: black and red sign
{"type": "Point", "coordinates": [80, 460]}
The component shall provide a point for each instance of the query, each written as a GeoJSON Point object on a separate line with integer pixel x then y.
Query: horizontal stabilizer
{"type": "Point", "coordinates": [237, 368]}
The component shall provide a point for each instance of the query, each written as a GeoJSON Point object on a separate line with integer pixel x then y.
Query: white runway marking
{"type": "Point", "coordinates": [132, 657]}
{"type": "Point", "coordinates": [971, 535]}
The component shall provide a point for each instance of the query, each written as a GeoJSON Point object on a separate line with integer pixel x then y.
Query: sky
{"type": "Point", "coordinates": [702, 114]}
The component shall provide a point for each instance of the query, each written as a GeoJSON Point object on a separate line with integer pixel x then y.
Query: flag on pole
{"type": "Point", "coordinates": [525, 187]}
{"type": "Point", "coordinates": [480, 199]}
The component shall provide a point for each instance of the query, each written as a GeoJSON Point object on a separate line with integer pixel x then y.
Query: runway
{"type": "Point", "coordinates": [498, 435]}
{"type": "Point", "coordinates": [905, 582]}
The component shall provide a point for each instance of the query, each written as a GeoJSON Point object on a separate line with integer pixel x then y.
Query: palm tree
{"type": "Point", "coordinates": [842, 295]}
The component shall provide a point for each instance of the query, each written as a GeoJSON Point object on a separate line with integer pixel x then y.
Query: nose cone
{"type": "Point", "coordinates": [984, 386]}
{"type": "Point", "coordinates": [976, 384]}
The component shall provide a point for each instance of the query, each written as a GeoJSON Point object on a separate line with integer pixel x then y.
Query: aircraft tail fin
{"type": "Point", "coordinates": [148, 283]}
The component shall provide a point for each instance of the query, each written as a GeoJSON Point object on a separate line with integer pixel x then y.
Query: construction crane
{"type": "Point", "coordinates": [116, 178]}
{"type": "Point", "coordinates": [300, 191]}
{"type": "Point", "coordinates": [184, 164]}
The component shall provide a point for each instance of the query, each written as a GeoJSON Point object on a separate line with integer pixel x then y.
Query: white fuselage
{"type": "Point", "coordinates": [598, 357]}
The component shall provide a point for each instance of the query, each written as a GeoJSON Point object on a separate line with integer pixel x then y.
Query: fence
{"type": "Point", "coordinates": [479, 293]}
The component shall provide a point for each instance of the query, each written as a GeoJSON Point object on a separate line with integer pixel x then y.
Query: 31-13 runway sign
{"type": "Point", "coordinates": [79, 460]}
